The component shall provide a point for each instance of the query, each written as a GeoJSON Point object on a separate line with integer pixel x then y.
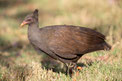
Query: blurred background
{"type": "Point", "coordinates": [20, 62]}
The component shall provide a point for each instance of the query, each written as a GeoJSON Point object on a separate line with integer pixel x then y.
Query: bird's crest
{"type": "Point", "coordinates": [35, 13]}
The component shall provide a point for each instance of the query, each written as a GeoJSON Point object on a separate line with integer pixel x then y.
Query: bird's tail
{"type": "Point", "coordinates": [106, 46]}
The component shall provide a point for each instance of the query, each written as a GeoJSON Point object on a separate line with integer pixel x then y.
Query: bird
{"type": "Point", "coordinates": [66, 43]}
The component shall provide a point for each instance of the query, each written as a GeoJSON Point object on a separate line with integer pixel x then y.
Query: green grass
{"type": "Point", "coordinates": [20, 62]}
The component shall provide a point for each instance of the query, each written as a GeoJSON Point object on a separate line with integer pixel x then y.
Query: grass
{"type": "Point", "coordinates": [20, 62]}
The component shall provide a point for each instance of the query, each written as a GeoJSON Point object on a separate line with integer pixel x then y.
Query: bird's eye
{"type": "Point", "coordinates": [29, 20]}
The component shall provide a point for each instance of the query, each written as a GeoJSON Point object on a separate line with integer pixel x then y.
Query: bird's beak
{"type": "Point", "coordinates": [23, 23]}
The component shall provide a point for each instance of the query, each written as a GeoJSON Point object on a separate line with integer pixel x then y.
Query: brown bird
{"type": "Point", "coordinates": [65, 43]}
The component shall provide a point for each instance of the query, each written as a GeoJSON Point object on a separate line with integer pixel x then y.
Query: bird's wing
{"type": "Point", "coordinates": [70, 41]}
{"type": "Point", "coordinates": [89, 36]}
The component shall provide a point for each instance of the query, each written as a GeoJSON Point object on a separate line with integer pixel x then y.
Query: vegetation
{"type": "Point", "coordinates": [20, 62]}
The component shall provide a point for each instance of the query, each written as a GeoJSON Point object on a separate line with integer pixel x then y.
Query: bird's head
{"type": "Point", "coordinates": [30, 19]}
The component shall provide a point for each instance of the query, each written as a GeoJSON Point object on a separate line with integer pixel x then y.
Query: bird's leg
{"type": "Point", "coordinates": [67, 70]}
{"type": "Point", "coordinates": [70, 68]}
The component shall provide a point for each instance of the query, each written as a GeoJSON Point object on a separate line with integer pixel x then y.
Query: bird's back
{"type": "Point", "coordinates": [65, 39]}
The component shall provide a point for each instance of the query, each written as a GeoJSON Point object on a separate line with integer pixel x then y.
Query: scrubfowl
{"type": "Point", "coordinates": [65, 43]}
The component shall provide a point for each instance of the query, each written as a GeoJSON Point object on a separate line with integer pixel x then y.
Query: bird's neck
{"type": "Point", "coordinates": [34, 27]}
{"type": "Point", "coordinates": [33, 30]}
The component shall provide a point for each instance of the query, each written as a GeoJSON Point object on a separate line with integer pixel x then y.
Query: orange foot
{"type": "Point", "coordinates": [77, 72]}
{"type": "Point", "coordinates": [78, 68]}
{"type": "Point", "coordinates": [74, 80]}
